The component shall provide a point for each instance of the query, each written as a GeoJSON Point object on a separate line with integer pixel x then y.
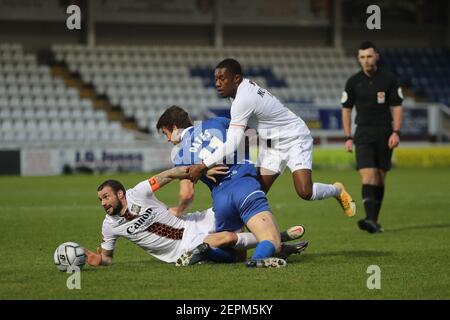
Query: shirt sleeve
{"type": "Point", "coordinates": [241, 111]}
{"type": "Point", "coordinates": [234, 138]}
{"type": "Point", "coordinates": [109, 238]}
{"type": "Point", "coordinates": [395, 93]}
{"type": "Point", "coordinates": [348, 97]}
{"type": "Point", "coordinates": [143, 190]}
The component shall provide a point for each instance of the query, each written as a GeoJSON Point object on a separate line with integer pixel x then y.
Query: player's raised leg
{"type": "Point", "coordinates": [308, 190]}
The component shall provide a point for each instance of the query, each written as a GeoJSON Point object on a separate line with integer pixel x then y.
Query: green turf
{"type": "Point", "coordinates": [37, 214]}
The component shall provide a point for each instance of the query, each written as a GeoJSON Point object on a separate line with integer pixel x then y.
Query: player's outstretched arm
{"type": "Point", "coordinates": [187, 189]}
{"type": "Point", "coordinates": [167, 176]}
{"type": "Point", "coordinates": [185, 197]}
{"type": "Point", "coordinates": [101, 258]}
{"type": "Point", "coordinates": [235, 135]}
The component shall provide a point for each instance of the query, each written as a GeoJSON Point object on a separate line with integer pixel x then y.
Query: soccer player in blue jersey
{"type": "Point", "coordinates": [237, 196]}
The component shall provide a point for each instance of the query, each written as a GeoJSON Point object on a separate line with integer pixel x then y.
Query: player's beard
{"type": "Point", "coordinates": [117, 208]}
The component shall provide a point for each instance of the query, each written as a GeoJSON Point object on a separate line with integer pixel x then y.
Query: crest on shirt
{"type": "Point", "coordinates": [381, 97]}
{"type": "Point", "coordinates": [135, 209]}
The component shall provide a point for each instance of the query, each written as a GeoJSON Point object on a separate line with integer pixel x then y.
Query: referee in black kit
{"type": "Point", "coordinates": [373, 90]}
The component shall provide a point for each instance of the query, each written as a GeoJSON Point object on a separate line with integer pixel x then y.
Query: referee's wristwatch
{"type": "Point", "coordinates": [397, 132]}
{"type": "Point", "coordinates": [348, 138]}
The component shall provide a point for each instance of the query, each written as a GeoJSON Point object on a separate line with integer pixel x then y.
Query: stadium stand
{"type": "Point", "coordinates": [425, 70]}
{"type": "Point", "coordinates": [144, 80]}
{"type": "Point", "coordinates": [37, 108]}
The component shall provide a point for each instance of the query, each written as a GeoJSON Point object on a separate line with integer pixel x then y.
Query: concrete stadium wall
{"type": "Point", "coordinates": [277, 36]}
{"type": "Point", "coordinates": [39, 35]}
{"type": "Point", "coordinates": [148, 34]}
{"type": "Point", "coordinates": [395, 36]}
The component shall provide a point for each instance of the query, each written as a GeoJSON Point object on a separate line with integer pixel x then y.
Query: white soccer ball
{"type": "Point", "coordinates": [69, 254]}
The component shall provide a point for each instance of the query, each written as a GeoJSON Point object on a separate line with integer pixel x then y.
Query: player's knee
{"type": "Point", "coordinates": [229, 238]}
{"type": "Point", "coordinates": [305, 193]}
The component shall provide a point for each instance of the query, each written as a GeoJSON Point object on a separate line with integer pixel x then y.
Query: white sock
{"type": "Point", "coordinates": [324, 191]}
{"type": "Point", "coordinates": [246, 240]}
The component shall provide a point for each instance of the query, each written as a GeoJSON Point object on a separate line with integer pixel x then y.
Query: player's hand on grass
{"type": "Point", "coordinates": [348, 145]}
{"type": "Point", "coordinates": [93, 259]}
{"type": "Point", "coordinates": [217, 170]}
{"type": "Point", "coordinates": [394, 140]}
{"type": "Point", "coordinates": [196, 171]}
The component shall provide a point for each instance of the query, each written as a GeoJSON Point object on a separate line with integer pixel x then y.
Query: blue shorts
{"type": "Point", "coordinates": [236, 202]}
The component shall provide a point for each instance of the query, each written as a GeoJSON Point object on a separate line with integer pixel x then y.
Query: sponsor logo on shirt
{"type": "Point", "coordinates": [142, 222]}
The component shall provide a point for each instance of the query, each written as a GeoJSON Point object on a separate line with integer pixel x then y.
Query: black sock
{"type": "Point", "coordinates": [370, 201]}
{"type": "Point", "coordinates": [379, 194]}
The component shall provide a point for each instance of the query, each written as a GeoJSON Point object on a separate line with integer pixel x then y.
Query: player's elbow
{"type": "Point", "coordinates": [187, 196]}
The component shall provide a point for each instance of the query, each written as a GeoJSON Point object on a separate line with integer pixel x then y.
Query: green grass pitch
{"type": "Point", "coordinates": [37, 214]}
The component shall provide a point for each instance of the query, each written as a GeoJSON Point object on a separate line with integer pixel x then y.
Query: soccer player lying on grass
{"type": "Point", "coordinates": [238, 200]}
{"type": "Point", "coordinates": [137, 215]}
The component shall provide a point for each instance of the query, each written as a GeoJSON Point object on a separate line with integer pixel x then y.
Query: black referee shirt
{"type": "Point", "coordinates": [373, 97]}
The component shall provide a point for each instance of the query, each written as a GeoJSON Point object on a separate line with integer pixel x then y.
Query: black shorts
{"type": "Point", "coordinates": [371, 147]}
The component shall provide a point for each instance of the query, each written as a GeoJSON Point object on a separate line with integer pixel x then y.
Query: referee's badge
{"type": "Point", "coordinates": [400, 93]}
{"type": "Point", "coordinates": [381, 97]}
{"type": "Point", "coordinates": [344, 97]}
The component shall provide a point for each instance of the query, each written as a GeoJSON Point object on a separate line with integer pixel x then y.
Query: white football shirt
{"type": "Point", "coordinates": [151, 226]}
{"type": "Point", "coordinates": [257, 108]}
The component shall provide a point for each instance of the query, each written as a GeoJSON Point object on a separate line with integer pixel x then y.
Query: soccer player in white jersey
{"type": "Point", "coordinates": [286, 138]}
{"type": "Point", "coordinates": [137, 215]}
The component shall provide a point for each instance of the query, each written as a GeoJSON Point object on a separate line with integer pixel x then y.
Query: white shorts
{"type": "Point", "coordinates": [295, 153]}
{"type": "Point", "coordinates": [200, 225]}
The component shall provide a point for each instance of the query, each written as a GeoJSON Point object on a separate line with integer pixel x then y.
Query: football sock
{"type": "Point", "coordinates": [324, 191]}
{"type": "Point", "coordinates": [379, 194]}
{"type": "Point", "coordinates": [221, 255]}
{"type": "Point", "coordinates": [264, 249]}
{"type": "Point", "coordinates": [370, 201]}
{"type": "Point", "coordinates": [246, 240]}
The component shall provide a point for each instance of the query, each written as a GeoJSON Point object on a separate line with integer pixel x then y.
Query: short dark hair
{"type": "Point", "coordinates": [367, 45]}
{"type": "Point", "coordinates": [231, 65]}
{"type": "Point", "coordinates": [113, 184]}
{"type": "Point", "coordinates": [174, 116]}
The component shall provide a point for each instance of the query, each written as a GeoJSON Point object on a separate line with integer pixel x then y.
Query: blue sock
{"type": "Point", "coordinates": [221, 255]}
{"type": "Point", "coordinates": [264, 249]}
